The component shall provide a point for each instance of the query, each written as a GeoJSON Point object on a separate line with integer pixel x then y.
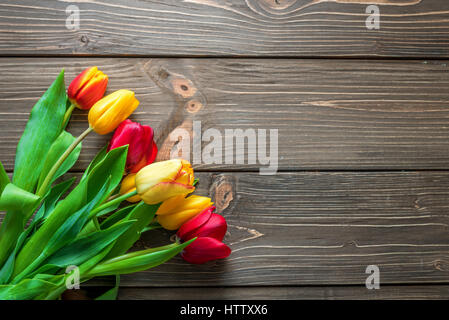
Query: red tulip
{"type": "Point", "coordinates": [205, 249]}
{"type": "Point", "coordinates": [210, 229]}
{"type": "Point", "coordinates": [142, 149]}
{"type": "Point", "coordinates": [87, 88]}
{"type": "Point", "coordinates": [205, 224]}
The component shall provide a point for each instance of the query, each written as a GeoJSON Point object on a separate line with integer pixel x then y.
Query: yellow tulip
{"type": "Point", "coordinates": [107, 113]}
{"type": "Point", "coordinates": [163, 180]}
{"type": "Point", "coordinates": [175, 211]}
{"type": "Point", "coordinates": [129, 185]}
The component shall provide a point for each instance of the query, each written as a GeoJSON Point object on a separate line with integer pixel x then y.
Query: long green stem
{"type": "Point", "coordinates": [112, 202]}
{"type": "Point", "coordinates": [49, 178]}
{"type": "Point", "coordinates": [30, 268]}
{"type": "Point", "coordinates": [67, 114]}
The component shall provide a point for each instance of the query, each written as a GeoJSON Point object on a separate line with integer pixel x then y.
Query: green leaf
{"type": "Point", "coordinates": [138, 261]}
{"type": "Point", "coordinates": [63, 210]}
{"type": "Point", "coordinates": [20, 204]}
{"type": "Point", "coordinates": [59, 146]}
{"type": "Point", "coordinates": [109, 169]}
{"type": "Point", "coordinates": [45, 269]}
{"type": "Point", "coordinates": [98, 158]}
{"type": "Point", "coordinates": [117, 216]}
{"type": "Point", "coordinates": [8, 268]}
{"type": "Point", "coordinates": [92, 262]}
{"type": "Point", "coordinates": [65, 234]}
{"type": "Point", "coordinates": [153, 226]}
{"type": "Point", "coordinates": [43, 127]}
{"type": "Point", "coordinates": [113, 166]}
{"type": "Point", "coordinates": [90, 227]}
{"type": "Point", "coordinates": [48, 205]}
{"type": "Point", "coordinates": [144, 214]}
{"type": "Point", "coordinates": [52, 197]}
{"type": "Point", "coordinates": [112, 293]}
{"type": "Point", "coordinates": [73, 225]}
{"type": "Point", "coordinates": [18, 199]}
{"type": "Point", "coordinates": [85, 248]}
{"type": "Point", "coordinates": [109, 209]}
{"type": "Point", "coordinates": [4, 179]}
{"type": "Point", "coordinates": [25, 290]}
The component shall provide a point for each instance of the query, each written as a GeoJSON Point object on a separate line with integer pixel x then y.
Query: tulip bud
{"type": "Point", "coordinates": [163, 180]}
{"type": "Point", "coordinates": [205, 224]}
{"type": "Point", "coordinates": [142, 149]}
{"type": "Point", "coordinates": [175, 211]}
{"type": "Point", "coordinates": [205, 249]}
{"type": "Point", "coordinates": [87, 88]}
{"type": "Point", "coordinates": [129, 185]}
{"type": "Point", "coordinates": [109, 112]}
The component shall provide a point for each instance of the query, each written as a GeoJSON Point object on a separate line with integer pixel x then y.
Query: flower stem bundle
{"type": "Point", "coordinates": [48, 229]}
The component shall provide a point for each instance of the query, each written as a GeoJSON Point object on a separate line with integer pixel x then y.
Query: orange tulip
{"type": "Point", "coordinates": [87, 88]}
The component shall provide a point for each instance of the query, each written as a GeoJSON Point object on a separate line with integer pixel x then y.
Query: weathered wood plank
{"type": "Point", "coordinates": [323, 229]}
{"type": "Point", "coordinates": [408, 28]}
{"type": "Point", "coordinates": [318, 229]}
{"type": "Point", "coordinates": [337, 115]}
{"type": "Point", "coordinates": [427, 292]}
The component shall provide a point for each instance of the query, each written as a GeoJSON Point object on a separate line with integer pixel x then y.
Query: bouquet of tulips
{"type": "Point", "coordinates": [48, 231]}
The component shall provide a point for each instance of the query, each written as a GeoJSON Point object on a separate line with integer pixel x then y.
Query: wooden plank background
{"type": "Point", "coordinates": [363, 135]}
{"type": "Point", "coordinates": [409, 28]}
{"type": "Point", "coordinates": [331, 114]}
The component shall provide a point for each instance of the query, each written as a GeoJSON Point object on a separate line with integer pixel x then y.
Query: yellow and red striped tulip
{"type": "Point", "coordinates": [87, 88]}
{"type": "Point", "coordinates": [163, 180]}
{"type": "Point", "coordinates": [109, 112]}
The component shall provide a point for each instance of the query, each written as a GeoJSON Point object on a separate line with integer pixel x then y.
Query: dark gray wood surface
{"type": "Point", "coordinates": [363, 142]}
{"type": "Point", "coordinates": [414, 292]}
{"type": "Point", "coordinates": [331, 114]}
{"type": "Point", "coordinates": [248, 293]}
{"type": "Point", "coordinates": [307, 28]}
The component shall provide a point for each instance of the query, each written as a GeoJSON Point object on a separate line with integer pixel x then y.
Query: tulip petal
{"type": "Point", "coordinates": [174, 221]}
{"type": "Point", "coordinates": [109, 112]}
{"type": "Point", "coordinates": [80, 81]}
{"type": "Point", "coordinates": [101, 106]}
{"type": "Point", "coordinates": [189, 229]}
{"type": "Point", "coordinates": [164, 171]}
{"type": "Point", "coordinates": [184, 210]}
{"type": "Point", "coordinates": [87, 88]}
{"type": "Point", "coordinates": [185, 174]}
{"type": "Point", "coordinates": [147, 159]}
{"type": "Point", "coordinates": [141, 148]}
{"type": "Point", "coordinates": [163, 191]}
{"type": "Point", "coordinates": [169, 206]}
{"type": "Point", "coordinates": [92, 92]}
{"type": "Point", "coordinates": [129, 185]}
{"type": "Point", "coordinates": [120, 138]}
{"type": "Point", "coordinates": [151, 156]}
{"type": "Point", "coordinates": [205, 249]}
{"type": "Point", "coordinates": [180, 203]}
{"type": "Point", "coordinates": [215, 228]}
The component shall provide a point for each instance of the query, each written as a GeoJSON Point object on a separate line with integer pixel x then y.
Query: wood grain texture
{"type": "Point", "coordinates": [317, 229]}
{"type": "Point", "coordinates": [331, 115]}
{"type": "Point", "coordinates": [437, 292]}
{"type": "Point", "coordinates": [336, 115]}
{"type": "Point", "coordinates": [320, 229]}
{"type": "Point", "coordinates": [297, 28]}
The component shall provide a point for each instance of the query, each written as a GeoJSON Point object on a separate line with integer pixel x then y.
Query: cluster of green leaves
{"type": "Point", "coordinates": [62, 233]}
